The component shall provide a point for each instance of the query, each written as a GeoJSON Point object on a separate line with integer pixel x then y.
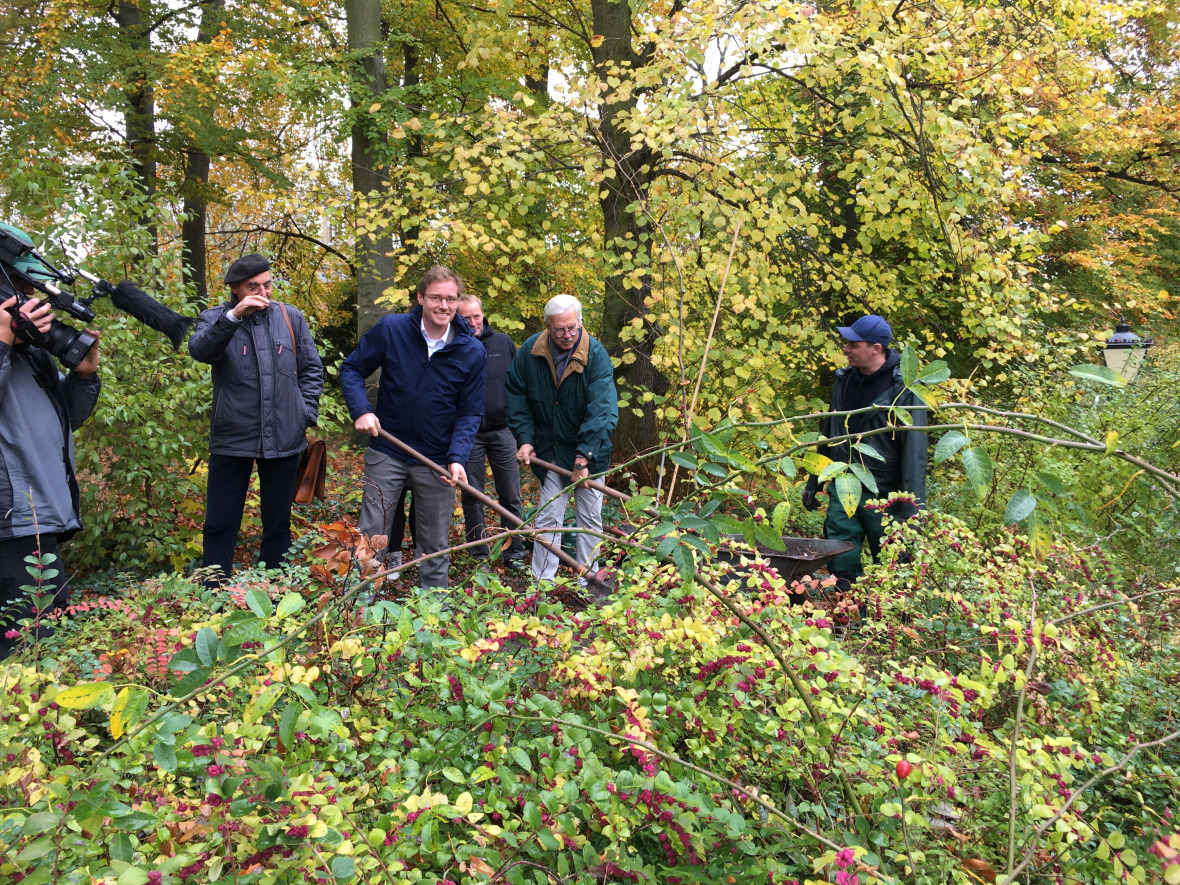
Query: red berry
{"type": "Point", "coordinates": [903, 769]}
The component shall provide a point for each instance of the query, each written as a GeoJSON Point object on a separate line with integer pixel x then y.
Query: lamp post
{"type": "Point", "coordinates": [1124, 351]}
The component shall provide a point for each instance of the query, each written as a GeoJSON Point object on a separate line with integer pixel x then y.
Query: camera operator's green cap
{"type": "Point", "coordinates": [26, 264]}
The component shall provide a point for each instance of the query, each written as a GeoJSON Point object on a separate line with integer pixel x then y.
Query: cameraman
{"type": "Point", "coordinates": [39, 410]}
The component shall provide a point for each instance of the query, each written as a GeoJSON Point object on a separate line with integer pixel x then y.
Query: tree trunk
{"type": "Point", "coordinates": [625, 233]}
{"type": "Point", "coordinates": [140, 116]}
{"type": "Point", "coordinates": [374, 266]}
{"type": "Point", "coordinates": [195, 188]}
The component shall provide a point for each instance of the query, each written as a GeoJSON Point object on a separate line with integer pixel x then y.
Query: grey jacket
{"type": "Point", "coordinates": [264, 399]}
{"type": "Point", "coordinates": [39, 412]}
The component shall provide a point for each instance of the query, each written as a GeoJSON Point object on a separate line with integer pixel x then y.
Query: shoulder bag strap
{"type": "Point", "coordinates": [290, 331]}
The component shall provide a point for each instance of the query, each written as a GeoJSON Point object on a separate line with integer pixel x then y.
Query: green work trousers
{"type": "Point", "coordinates": [863, 524]}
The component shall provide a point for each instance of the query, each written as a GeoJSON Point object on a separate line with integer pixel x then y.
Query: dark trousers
{"type": "Point", "coordinates": [15, 602]}
{"type": "Point", "coordinates": [229, 480]}
{"type": "Point", "coordinates": [863, 525]}
{"type": "Point", "coordinates": [499, 449]}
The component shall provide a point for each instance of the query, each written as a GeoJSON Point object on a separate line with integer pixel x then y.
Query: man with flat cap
{"type": "Point", "coordinates": [267, 381]}
{"type": "Point", "coordinates": [873, 378]}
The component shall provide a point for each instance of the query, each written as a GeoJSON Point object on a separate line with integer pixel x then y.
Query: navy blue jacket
{"type": "Point", "coordinates": [433, 405]}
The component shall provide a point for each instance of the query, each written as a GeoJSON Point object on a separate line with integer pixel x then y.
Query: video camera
{"type": "Point", "coordinates": [68, 344]}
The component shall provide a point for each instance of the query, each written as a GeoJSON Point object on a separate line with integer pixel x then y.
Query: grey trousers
{"type": "Point", "coordinates": [588, 514]}
{"type": "Point", "coordinates": [499, 447]}
{"type": "Point", "coordinates": [434, 505]}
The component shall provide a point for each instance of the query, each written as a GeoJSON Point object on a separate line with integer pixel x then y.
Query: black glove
{"type": "Point", "coordinates": [808, 497]}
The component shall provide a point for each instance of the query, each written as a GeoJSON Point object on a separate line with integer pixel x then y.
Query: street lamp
{"type": "Point", "coordinates": [1124, 351]}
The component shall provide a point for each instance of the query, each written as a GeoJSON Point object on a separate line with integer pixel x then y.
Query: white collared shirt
{"type": "Point", "coordinates": [433, 345]}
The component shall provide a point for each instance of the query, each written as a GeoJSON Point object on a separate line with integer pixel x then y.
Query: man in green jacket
{"type": "Point", "coordinates": [873, 378]}
{"type": "Point", "coordinates": [563, 408]}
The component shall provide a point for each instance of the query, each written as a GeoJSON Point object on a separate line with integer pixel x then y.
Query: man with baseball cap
{"type": "Point", "coordinates": [267, 381]}
{"type": "Point", "coordinates": [872, 379]}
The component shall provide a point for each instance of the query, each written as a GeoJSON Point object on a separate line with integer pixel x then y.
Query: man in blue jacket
{"type": "Point", "coordinates": [267, 381]}
{"type": "Point", "coordinates": [431, 397]}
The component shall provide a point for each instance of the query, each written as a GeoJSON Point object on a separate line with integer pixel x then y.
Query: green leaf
{"type": "Point", "coordinates": [454, 775]}
{"type": "Point", "coordinates": [258, 602]}
{"type": "Point", "coordinates": [788, 468]}
{"type": "Point", "coordinates": [41, 822]}
{"type": "Point", "coordinates": [782, 512]}
{"type": "Point", "coordinates": [934, 373]}
{"type": "Point", "coordinates": [136, 820]}
{"type": "Point", "coordinates": [121, 848]}
{"type": "Point", "coordinates": [206, 646]}
{"type": "Point", "coordinates": [1051, 482]}
{"type": "Point", "coordinates": [909, 366]}
{"type": "Point", "coordinates": [1040, 534]}
{"type": "Point", "coordinates": [343, 866]}
{"type": "Point", "coordinates": [685, 561]}
{"type": "Point", "coordinates": [865, 476]}
{"type": "Point", "coordinates": [768, 537]}
{"type": "Point", "coordinates": [287, 723]}
{"type": "Point", "coordinates": [245, 631]}
{"type": "Point", "coordinates": [289, 604]}
{"type": "Point", "coordinates": [190, 683]}
{"type": "Point", "coordinates": [521, 758]}
{"type": "Point", "coordinates": [684, 460]}
{"type": "Point", "coordinates": [978, 464]}
{"type": "Point", "coordinates": [1019, 507]}
{"type": "Point", "coordinates": [950, 443]}
{"type": "Point", "coordinates": [85, 696]}
{"type": "Point", "coordinates": [532, 816]}
{"type": "Point", "coordinates": [848, 491]}
{"type": "Point", "coordinates": [1100, 374]}
{"type": "Point", "coordinates": [165, 755]}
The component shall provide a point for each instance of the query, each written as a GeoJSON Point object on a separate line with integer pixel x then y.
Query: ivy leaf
{"type": "Point", "coordinates": [980, 470]}
{"type": "Point", "coordinates": [1019, 507]}
{"type": "Point", "coordinates": [950, 443]}
{"type": "Point", "coordinates": [258, 602]}
{"type": "Point", "coordinates": [1101, 374]}
{"type": "Point", "coordinates": [848, 491]}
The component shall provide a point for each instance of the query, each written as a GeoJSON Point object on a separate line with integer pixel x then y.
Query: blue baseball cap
{"type": "Point", "coordinates": [871, 328]}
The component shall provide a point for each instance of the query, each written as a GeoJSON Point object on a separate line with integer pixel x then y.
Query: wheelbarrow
{"type": "Point", "coordinates": [802, 556]}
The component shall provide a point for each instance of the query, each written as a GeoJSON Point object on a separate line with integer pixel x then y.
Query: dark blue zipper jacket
{"type": "Point", "coordinates": [433, 405]}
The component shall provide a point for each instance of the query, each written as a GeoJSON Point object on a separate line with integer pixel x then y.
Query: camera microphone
{"type": "Point", "coordinates": [130, 298]}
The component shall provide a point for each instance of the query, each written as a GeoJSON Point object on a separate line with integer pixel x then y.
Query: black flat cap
{"type": "Point", "coordinates": [245, 267]}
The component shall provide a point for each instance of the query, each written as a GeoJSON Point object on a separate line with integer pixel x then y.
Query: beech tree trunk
{"type": "Point", "coordinates": [374, 265]}
{"type": "Point", "coordinates": [140, 115]}
{"type": "Point", "coordinates": [625, 233]}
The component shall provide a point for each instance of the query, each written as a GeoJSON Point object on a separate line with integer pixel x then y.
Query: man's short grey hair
{"type": "Point", "coordinates": [561, 304]}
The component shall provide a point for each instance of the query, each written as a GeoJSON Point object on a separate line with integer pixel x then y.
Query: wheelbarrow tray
{"type": "Point", "coordinates": [802, 556]}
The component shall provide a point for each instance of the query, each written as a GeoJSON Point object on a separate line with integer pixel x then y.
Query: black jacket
{"type": "Point", "coordinates": [905, 452]}
{"type": "Point", "coordinates": [501, 350]}
{"type": "Point", "coordinates": [264, 399]}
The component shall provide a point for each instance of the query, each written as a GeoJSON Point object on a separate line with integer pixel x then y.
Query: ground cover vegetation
{"type": "Point", "coordinates": [721, 183]}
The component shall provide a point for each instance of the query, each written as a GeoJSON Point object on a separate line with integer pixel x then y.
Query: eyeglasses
{"type": "Point", "coordinates": [568, 332]}
{"type": "Point", "coordinates": [255, 288]}
{"type": "Point", "coordinates": [440, 299]}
